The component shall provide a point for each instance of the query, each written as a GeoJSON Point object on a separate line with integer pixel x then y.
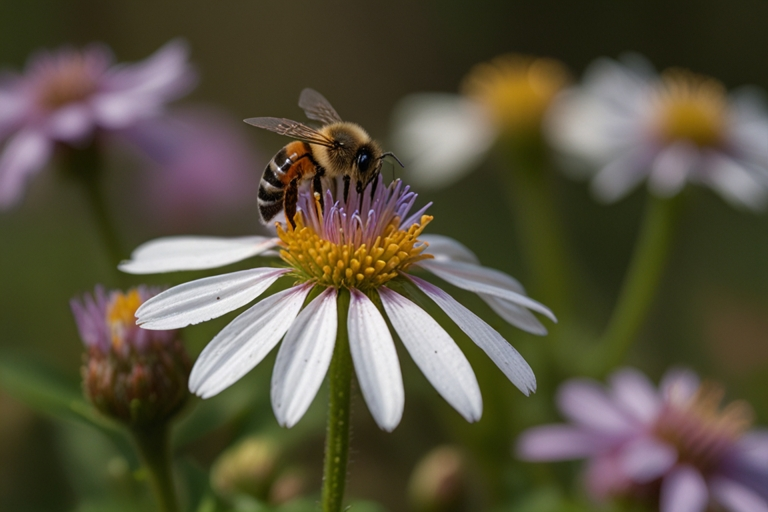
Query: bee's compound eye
{"type": "Point", "coordinates": [363, 160]}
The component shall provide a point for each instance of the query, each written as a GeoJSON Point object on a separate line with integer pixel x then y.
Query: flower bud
{"type": "Point", "coordinates": [246, 468]}
{"type": "Point", "coordinates": [136, 376]}
{"type": "Point", "coordinates": [439, 481]}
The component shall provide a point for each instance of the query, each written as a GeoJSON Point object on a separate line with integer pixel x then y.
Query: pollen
{"type": "Point", "coordinates": [121, 315]}
{"type": "Point", "coordinates": [364, 266]}
{"type": "Point", "coordinates": [691, 107]}
{"type": "Point", "coordinates": [517, 90]}
{"type": "Point", "coordinates": [702, 430]}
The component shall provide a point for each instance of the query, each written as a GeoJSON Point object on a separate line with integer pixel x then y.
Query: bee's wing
{"type": "Point", "coordinates": [290, 128]}
{"type": "Point", "coordinates": [317, 107]}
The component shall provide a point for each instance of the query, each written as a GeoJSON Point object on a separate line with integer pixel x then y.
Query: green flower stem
{"type": "Point", "coordinates": [85, 166]}
{"type": "Point", "coordinates": [337, 441]}
{"type": "Point", "coordinates": [530, 197]}
{"type": "Point", "coordinates": [155, 454]}
{"type": "Point", "coordinates": [640, 283]}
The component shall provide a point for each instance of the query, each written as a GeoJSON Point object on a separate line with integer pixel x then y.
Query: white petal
{"type": "Point", "coordinates": [737, 497]}
{"type": "Point", "coordinates": [515, 315]}
{"type": "Point", "coordinates": [671, 168]}
{"type": "Point", "coordinates": [483, 280]}
{"type": "Point", "coordinates": [440, 137]}
{"type": "Point", "coordinates": [645, 459]}
{"type": "Point", "coordinates": [193, 253]}
{"type": "Point", "coordinates": [376, 364]}
{"type": "Point", "coordinates": [498, 349]}
{"type": "Point", "coordinates": [435, 353]}
{"type": "Point", "coordinates": [678, 386]}
{"type": "Point", "coordinates": [621, 175]}
{"type": "Point", "coordinates": [446, 248]}
{"type": "Point", "coordinates": [684, 490]}
{"type": "Point", "coordinates": [303, 359]}
{"type": "Point", "coordinates": [736, 184]}
{"type": "Point", "coordinates": [243, 343]}
{"type": "Point", "coordinates": [203, 299]}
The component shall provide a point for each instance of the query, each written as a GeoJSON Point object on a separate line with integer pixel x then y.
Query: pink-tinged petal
{"type": "Point", "coordinates": [71, 123]}
{"type": "Point", "coordinates": [446, 248]}
{"type": "Point", "coordinates": [671, 168]}
{"type": "Point", "coordinates": [678, 386]}
{"type": "Point", "coordinates": [435, 353]}
{"type": "Point", "coordinates": [557, 442]}
{"type": "Point", "coordinates": [646, 459]}
{"type": "Point", "coordinates": [14, 106]}
{"type": "Point", "coordinates": [376, 364]}
{"type": "Point", "coordinates": [176, 253]}
{"type": "Point", "coordinates": [24, 154]}
{"type": "Point", "coordinates": [634, 393]}
{"type": "Point", "coordinates": [604, 477]}
{"type": "Point", "coordinates": [139, 90]}
{"type": "Point", "coordinates": [504, 355]}
{"type": "Point", "coordinates": [753, 449]}
{"type": "Point", "coordinates": [515, 315]}
{"type": "Point", "coordinates": [483, 280]}
{"type": "Point", "coordinates": [441, 137]}
{"type": "Point", "coordinates": [737, 497]}
{"type": "Point", "coordinates": [620, 176]}
{"type": "Point", "coordinates": [243, 343]}
{"type": "Point", "coordinates": [303, 359]}
{"type": "Point", "coordinates": [586, 403]}
{"type": "Point", "coordinates": [684, 490]}
{"type": "Point", "coordinates": [198, 301]}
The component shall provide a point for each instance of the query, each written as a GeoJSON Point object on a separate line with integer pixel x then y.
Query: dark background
{"type": "Point", "coordinates": [711, 313]}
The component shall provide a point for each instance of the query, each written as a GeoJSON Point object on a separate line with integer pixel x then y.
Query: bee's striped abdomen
{"type": "Point", "coordinates": [288, 164]}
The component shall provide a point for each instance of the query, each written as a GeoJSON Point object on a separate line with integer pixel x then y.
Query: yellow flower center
{"type": "Point", "coordinates": [364, 266]}
{"type": "Point", "coordinates": [691, 107]}
{"type": "Point", "coordinates": [701, 430]}
{"type": "Point", "coordinates": [67, 81]}
{"type": "Point", "coordinates": [516, 90]}
{"type": "Point", "coordinates": [121, 315]}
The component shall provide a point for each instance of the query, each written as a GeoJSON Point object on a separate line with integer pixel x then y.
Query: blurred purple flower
{"type": "Point", "coordinates": [674, 446]}
{"type": "Point", "coordinates": [201, 166]}
{"type": "Point", "coordinates": [70, 95]}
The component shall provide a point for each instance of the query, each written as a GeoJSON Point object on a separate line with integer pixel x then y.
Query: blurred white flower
{"type": "Point", "coordinates": [441, 137]}
{"type": "Point", "coordinates": [633, 124]}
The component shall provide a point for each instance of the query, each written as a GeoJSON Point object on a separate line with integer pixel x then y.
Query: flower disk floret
{"type": "Point", "coordinates": [359, 253]}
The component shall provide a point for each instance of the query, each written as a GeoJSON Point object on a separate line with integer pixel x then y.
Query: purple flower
{"type": "Point", "coordinates": [675, 446]}
{"type": "Point", "coordinates": [132, 375]}
{"type": "Point", "coordinates": [69, 96]}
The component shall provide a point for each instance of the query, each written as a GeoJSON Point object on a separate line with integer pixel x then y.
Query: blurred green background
{"type": "Point", "coordinates": [711, 312]}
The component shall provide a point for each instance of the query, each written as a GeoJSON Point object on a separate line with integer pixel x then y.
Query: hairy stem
{"type": "Point", "coordinates": [337, 441]}
{"type": "Point", "coordinates": [154, 452]}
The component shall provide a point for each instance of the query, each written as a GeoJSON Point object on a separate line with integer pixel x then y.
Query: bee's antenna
{"type": "Point", "coordinates": [389, 153]}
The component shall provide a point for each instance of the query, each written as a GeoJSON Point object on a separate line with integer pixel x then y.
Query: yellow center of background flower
{"type": "Point", "coordinates": [121, 315]}
{"type": "Point", "coordinates": [691, 107]}
{"type": "Point", "coordinates": [345, 265]}
{"type": "Point", "coordinates": [516, 90]}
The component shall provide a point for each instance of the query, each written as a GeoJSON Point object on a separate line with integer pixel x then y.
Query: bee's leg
{"type": "Point", "coordinates": [317, 187]}
{"type": "Point", "coordinates": [346, 187]}
{"type": "Point", "coordinates": [374, 184]}
{"type": "Point", "coordinates": [291, 198]}
{"type": "Point", "coordinates": [359, 188]}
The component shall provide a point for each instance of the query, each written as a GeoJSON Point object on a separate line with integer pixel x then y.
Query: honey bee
{"type": "Point", "coordinates": [337, 148]}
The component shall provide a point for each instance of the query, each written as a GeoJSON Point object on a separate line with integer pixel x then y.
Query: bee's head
{"type": "Point", "coordinates": [367, 162]}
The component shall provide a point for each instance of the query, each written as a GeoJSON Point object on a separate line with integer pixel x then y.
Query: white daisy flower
{"type": "Point", "coordinates": [442, 137]}
{"type": "Point", "coordinates": [670, 129]}
{"type": "Point", "coordinates": [361, 245]}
